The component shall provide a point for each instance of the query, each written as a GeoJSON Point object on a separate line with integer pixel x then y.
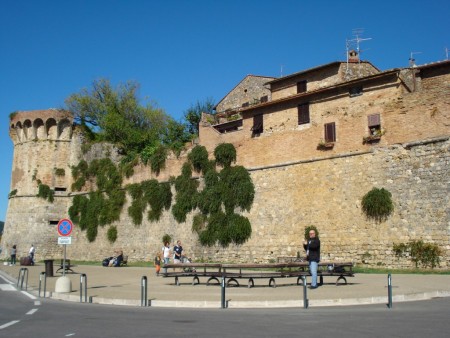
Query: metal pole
{"type": "Point", "coordinates": [144, 291]}
{"type": "Point", "coordinates": [305, 293]}
{"type": "Point", "coordinates": [223, 286]}
{"type": "Point", "coordinates": [45, 283]}
{"type": "Point", "coordinates": [64, 261]}
{"type": "Point", "coordinates": [83, 278]}
{"type": "Point", "coordinates": [22, 273]}
{"type": "Point", "coordinates": [389, 291]}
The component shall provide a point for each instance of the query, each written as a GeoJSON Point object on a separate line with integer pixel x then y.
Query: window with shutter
{"type": "Point", "coordinates": [330, 132]}
{"type": "Point", "coordinates": [355, 91]}
{"type": "Point", "coordinates": [303, 113]}
{"type": "Point", "coordinates": [301, 87]}
{"type": "Point", "coordinates": [258, 126]}
{"type": "Point", "coordinates": [374, 120]}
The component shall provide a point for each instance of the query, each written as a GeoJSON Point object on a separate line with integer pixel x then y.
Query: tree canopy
{"type": "Point", "coordinates": [117, 116]}
{"type": "Point", "coordinates": [193, 114]}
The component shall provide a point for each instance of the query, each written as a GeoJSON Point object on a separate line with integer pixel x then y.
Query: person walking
{"type": "Point", "coordinates": [166, 254]}
{"type": "Point", "coordinates": [312, 247]}
{"type": "Point", "coordinates": [13, 255]}
{"type": "Point", "coordinates": [31, 254]}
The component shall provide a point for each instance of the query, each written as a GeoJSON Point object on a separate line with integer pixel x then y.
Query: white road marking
{"type": "Point", "coordinates": [7, 287]}
{"type": "Point", "coordinates": [37, 302]}
{"type": "Point", "coordinates": [29, 295]}
{"type": "Point", "coordinates": [31, 311]}
{"type": "Point", "coordinates": [7, 281]}
{"type": "Point", "coordinates": [70, 334]}
{"type": "Point", "coordinates": [4, 326]}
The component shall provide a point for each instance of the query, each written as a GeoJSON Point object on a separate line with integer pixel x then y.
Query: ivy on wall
{"type": "Point", "coordinates": [45, 192]}
{"type": "Point", "coordinates": [377, 204]}
{"type": "Point", "coordinates": [224, 195]}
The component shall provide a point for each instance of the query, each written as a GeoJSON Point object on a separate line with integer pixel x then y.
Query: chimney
{"type": "Point", "coordinates": [353, 56]}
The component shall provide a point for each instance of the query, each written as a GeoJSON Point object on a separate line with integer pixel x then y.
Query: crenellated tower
{"type": "Point", "coordinates": [44, 151]}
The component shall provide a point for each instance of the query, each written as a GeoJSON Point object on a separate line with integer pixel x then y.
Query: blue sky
{"type": "Point", "coordinates": [184, 51]}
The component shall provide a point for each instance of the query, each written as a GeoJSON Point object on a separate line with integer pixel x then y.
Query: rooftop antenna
{"type": "Point", "coordinates": [355, 43]}
{"type": "Point", "coordinates": [446, 53]}
{"type": "Point", "coordinates": [412, 60]}
{"type": "Point", "coordinates": [281, 70]}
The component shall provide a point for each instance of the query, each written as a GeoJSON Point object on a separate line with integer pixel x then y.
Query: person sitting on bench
{"type": "Point", "coordinates": [117, 258]}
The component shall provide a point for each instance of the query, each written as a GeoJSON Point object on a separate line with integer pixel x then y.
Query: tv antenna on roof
{"type": "Point", "coordinates": [446, 53]}
{"type": "Point", "coordinates": [352, 46]}
{"type": "Point", "coordinates": [412, 61]}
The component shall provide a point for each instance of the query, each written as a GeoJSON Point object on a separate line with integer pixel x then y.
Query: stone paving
{"type": "Point", "coordinates": [122, 286]}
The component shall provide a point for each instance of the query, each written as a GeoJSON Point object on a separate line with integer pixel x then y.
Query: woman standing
{"type": "Point", "coordinates": [13, 255]}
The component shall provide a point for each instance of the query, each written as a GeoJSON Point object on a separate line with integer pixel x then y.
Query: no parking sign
{"type": "Point", "coordinates": [65, 227]}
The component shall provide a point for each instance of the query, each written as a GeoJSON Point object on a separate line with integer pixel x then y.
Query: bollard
{"type": "Point", "coordinates": [22, 273]}
{"type": "Point", "coordinates": [144, 291]}
{"type": "Point", "coordinates": [389, 291]}
{"type": "Point", "coordinates": [305, 293]}
{"type": "Point", "coordinates": [42, 274]}
{"type": "Point", "coordinates": [222, 287]}
{"type": "Point", "coordinates": [83, 281]}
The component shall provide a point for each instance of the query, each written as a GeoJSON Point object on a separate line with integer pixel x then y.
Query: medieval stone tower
{"type": "Point", "coordinates": [44, 150]}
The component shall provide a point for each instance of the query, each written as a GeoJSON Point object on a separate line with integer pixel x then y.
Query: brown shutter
{"type": "Point", "coordinates": [258, 125]}
{"type": "Point", "coordinates": [301, 87]}
{"type": "Point", "coordinates": [374, 120]}
{"type": "Point", "coordinates": [330, 132]}
{"type": "Point", "coordinates": [303, 113]}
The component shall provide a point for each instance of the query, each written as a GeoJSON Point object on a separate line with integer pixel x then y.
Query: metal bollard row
{"type": "Point", "coordinates": [42, 275]}
{"type": "Point", "coordinates": [20, 279]}
{"type": "Point", "coordinates": [144, 301]}
{"type": "Point", "coordinates": [83, 281]}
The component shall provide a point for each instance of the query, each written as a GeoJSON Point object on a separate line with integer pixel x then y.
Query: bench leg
{"type": "Point", "coordinates": [233, 280]}
{"type": "Point", "coordinates": [177, 282]}
{"type": "Point", "coordinates": [299, 279]}
{"type": "Point", "coordinates": [195, 280]}
{"type": "Point", "coordinates": [210, 279]}
{"type": "Point", "coordinates": [321, 280]}
{"type": "Point", "coordinates": [250, 283]}
{"type": "Point", "coordinates": [341, 278]}
{"type": "Point", "coordinates": [272, 282]}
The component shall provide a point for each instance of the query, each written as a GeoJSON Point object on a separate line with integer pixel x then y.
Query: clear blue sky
{"type": "Point", "coordinates": [184, 51]}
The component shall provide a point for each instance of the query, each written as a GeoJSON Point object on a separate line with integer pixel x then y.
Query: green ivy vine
{"type": "Point", "coordinates": [377, 204]}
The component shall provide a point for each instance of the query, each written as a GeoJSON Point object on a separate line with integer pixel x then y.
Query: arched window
{"type": "Point", "coordinates": [52, 129]}
{"type": "Point", "coordinates": [27, 130]}
{"type": "Point", "coordinates": [64, 129]}
{"type": "Point", "coordinates": [39, 129]}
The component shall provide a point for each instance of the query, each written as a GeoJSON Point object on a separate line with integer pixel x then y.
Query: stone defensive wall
{"type": "Point", "coordinates": [296, 185]}
{"type": "Point", "coordinates": [325, 192]}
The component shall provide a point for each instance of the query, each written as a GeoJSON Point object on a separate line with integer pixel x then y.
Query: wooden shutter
{"type": "Point", "coordinates": [301, 86]}
{"type": "Point", "coordinates": [303, 113]}
{"type": "Point", "coordinates": [258, 126]}
{"type": "Point", "coordinates": [330, 132]}
{"type": "Point", "coordinates": [374, 120]}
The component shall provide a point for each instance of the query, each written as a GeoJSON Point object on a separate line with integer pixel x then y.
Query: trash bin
{"type": "Point", "coordinates": [49, 267]}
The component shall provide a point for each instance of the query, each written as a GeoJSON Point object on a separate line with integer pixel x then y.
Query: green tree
{"type": "Point", "coordinates": [116, 115]}
{"type": "Point", "coordinates": [193, 114]}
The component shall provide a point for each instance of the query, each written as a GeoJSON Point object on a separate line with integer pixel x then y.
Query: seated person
{"type": "Point", "coordinates": [117, 258]}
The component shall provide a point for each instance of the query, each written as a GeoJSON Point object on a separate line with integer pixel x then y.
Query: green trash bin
{"type": "Point", "coordinates": [49, 267]}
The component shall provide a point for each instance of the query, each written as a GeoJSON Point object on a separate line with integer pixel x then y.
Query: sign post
{"type": "Point", "coordinates": [64, 227]}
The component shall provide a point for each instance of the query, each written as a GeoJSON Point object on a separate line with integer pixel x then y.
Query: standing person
{"type": "Point", "coordinates": [13, 255]}
{"type": "Point", "coordinates": [312, 247]}
{"type": "Point", "coordinates": [177, 251]}
{"type": "Point", "coordinates": [166, 254]}
{"type": "Point", "coordinates": [31, 254]}
{"type": "Point", "coordinates": [158, 263]}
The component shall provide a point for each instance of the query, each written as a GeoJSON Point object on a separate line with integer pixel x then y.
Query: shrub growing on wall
{"type": "Point", "coordinates": [426, 254]}
{"type": "Point", "coordinates": [225, 154]}
{"type": "Point", "coordinates": [112, 234]}
{"type": "Point", "coordinates": [377, 204]}
{"type": "Point", "coordinates": [46, 193]}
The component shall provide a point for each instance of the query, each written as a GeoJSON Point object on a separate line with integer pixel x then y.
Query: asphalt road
{"type": "Point", "coordinates": [21, 316]}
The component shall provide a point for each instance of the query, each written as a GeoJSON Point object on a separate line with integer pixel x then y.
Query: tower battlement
{"type": "Point", "coordinates": [49, 124]}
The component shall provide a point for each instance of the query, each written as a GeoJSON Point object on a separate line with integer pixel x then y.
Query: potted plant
{"type": "Point", "coordinates": [324, 145]}
{"type": "Point", "coordinates": [375, 135]}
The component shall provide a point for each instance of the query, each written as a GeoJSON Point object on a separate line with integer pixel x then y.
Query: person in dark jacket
{"type": "Point", "coordinates": [312, 247]}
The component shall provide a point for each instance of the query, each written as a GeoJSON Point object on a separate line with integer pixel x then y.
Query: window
{"type": "Point", "coordinates": [330, 132]}
{"type": "Point", "coordinates": [258, 126]}
{"type": "Point", "coordinates": [303, 113]}
{"type": "Point", "coordinates": [374, 124]}
{"type": "Point", "coordinates": [245, 104]}
{"type": "Point", "coordinates": [60, 189]}
{"type": "Point", "coordinates": [355, 91]}
{"type": "Point", "coordinates": [53, 222]}
{"type": "Point", "coordinates": [264, 98]}
{"type": "Point", "coordinates": [301, 87]}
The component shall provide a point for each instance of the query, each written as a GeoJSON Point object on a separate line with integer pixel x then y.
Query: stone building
{"type": "Point", "coordinates": [314, 142]}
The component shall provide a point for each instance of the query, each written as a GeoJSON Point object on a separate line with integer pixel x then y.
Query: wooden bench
{"type": "Point", "coordinates": [67, 267]}
{"type": "Point", "coordinates": [271, 271]}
